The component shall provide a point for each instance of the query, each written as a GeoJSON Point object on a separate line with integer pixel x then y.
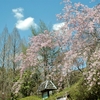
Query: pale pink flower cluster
{"type": "Point", "coordinates": [92, 77]}
{"type": "Point", "coordinates": [16, 87]}
{"type": "Point", "coordinates": [38, 42]}
{"type": "Point", "coordinates": [80, 18]}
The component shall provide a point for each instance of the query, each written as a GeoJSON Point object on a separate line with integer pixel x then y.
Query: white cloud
{"type": "Point", "coordinates": [23, 24]}
{"type": "Point", "coordinates": [26, 23]}
{"type": "Point", "coordinates": [58, 26]}
{"type": "Point", "coordinates": [18, 13]}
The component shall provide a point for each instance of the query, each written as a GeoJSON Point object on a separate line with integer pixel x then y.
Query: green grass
{"type": "Point", "coordinates": [56, 95]}
{"type": "Point", "coordinates": [59, 94]}
{"type": "Point", "coordinates": [31, 98]}
{"type": "Point", "coordinates": [52, 97]}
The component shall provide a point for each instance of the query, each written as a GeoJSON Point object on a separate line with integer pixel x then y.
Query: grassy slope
{"type": "Point", "coordinates": [53, 97]}
{"type": "Point", "coordinates": [77, 91]}
{"type": "Point", "coordinates": [74, 91]}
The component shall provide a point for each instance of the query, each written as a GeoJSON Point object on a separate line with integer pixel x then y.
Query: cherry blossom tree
{"type": "Point", "coordinates": [82, 27]}
{"type": "Point", "coordinates": [78, 42]}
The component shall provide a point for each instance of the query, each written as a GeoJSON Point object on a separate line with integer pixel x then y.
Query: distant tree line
{"type": "Point", "coordinates": [11, 45]}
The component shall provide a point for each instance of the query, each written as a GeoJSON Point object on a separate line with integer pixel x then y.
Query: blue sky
{"type": "Point", "coordinates": [19, 12]}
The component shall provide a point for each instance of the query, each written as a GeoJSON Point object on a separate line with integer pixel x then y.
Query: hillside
{"type": "Point", "coordinates": [78, 91]}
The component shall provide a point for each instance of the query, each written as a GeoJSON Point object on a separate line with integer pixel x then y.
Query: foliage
{"type": "Point", "coordinates": [30, 83]}
{"type": "Point", "coordinates": [41, 28]}
{"type": "Point", "coordinates": [79, 91]}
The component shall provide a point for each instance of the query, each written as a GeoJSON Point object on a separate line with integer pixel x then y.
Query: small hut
{"type": "Point", "coordinates": [46, 88]}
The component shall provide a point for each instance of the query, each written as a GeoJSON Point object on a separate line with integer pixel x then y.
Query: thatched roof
{"type": "Point", "coordinates": [47, 85]}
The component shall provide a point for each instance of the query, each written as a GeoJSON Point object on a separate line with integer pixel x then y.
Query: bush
{"type": "Point", "coordinates": [79, 91]}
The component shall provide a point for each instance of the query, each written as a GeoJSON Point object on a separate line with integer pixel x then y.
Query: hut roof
{"type": "Point", "coordinates": [47, 85]}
